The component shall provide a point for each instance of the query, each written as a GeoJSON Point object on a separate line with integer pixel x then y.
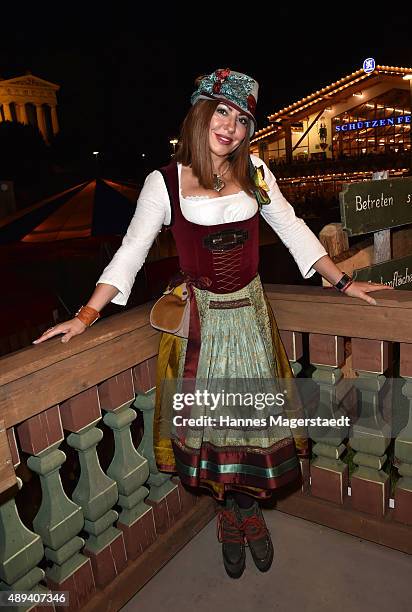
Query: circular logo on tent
{"type": "Point", "coordinates": [369, 65]}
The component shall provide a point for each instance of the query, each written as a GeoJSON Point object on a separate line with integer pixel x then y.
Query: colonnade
{"type": "Point", "coordinates": [22, 116]}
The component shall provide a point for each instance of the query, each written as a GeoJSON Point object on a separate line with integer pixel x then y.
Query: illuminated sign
{"type": "Point", "coordinates": [372, 123]}
{"type": "Point", "coordinates": [369, 65]}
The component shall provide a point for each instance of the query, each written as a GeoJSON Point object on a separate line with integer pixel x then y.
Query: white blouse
{"type": "Point", "coordinates": [153, 211]}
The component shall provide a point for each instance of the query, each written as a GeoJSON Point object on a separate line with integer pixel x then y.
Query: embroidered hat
{"type": "Point", "coordinates": [236, 89]}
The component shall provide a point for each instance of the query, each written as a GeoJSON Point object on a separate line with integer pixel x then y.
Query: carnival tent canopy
{"type": "Point", "coordinates": [99, 207]}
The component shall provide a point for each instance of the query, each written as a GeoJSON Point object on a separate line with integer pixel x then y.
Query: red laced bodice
{"type": "Point", "coordinates": [227, 254]}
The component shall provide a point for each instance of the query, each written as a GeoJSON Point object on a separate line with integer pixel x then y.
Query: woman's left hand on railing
{"type": "Point", "coordinates": [360, 289]}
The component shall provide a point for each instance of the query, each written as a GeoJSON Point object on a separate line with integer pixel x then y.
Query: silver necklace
{"type": "Point", "coordinates": [218, 184]}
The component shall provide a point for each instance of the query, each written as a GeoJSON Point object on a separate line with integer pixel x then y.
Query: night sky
{"type": "Point", "coordinates": [126, 77]}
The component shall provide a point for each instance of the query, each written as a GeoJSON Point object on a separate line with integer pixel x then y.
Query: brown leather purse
{"type": "Point", "coordinates": [171, 312]}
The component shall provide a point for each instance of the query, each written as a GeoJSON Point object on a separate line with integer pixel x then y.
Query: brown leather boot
{"type": "Point", "coordinates": [257, 535]}
{"type": "Point", "coordinates": [233, 546]}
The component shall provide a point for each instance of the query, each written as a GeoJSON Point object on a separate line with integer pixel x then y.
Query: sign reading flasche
{"type": "Point", "coordinates": [371, 206]}
{"type": "Point", "coordinates": [396, 272]}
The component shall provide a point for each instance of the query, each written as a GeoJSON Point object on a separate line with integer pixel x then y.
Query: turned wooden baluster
{"type": "Point", "coordinates": [95, 492]}
{"type": "Point", "coordinates": [129, 469]}
{"type": "Point", "coordinates": [20, 549]}
{"type": "Point", "coordinates": [403, 445]}
{"type": "Point", "coordinates": [165, 495]}
{"type": "Point", "coordinates": [328, 472]}
{"type": "Point", "coordinates": [293, 344]}
{"type": "Point", "coordinates": [371, 435]}
{"type": "Point", "coordinates": [59, 520]}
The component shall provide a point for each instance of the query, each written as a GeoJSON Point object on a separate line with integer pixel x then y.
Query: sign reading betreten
{"type": "Point", "coordinates": [372, 206]}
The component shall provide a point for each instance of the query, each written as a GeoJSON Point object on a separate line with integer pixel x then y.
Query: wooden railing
{"type": "Point", "coordinates": [83, 507]}
{"type": "Point", "coordinates": [345, 338]}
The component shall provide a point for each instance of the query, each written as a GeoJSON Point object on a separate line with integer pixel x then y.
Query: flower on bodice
{"type": "Point", "coordinates": [261, 190]}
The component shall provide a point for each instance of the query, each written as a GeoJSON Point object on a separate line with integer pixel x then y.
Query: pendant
{"type": "Point", "coordinates": [218, 184]}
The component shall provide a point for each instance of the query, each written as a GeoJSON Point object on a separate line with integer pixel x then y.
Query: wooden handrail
{"type": "Point", "coordinates": [36, 357]}
{"type": "Point", "coordinates": [324, 311]}
{"type": "Point", "coordinates": [42, 376]}
{"type": "Point", "coordinates": [307, 293]}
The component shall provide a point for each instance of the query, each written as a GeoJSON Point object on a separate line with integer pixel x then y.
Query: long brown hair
{"type": "Point", "coordinates": [193, 148]}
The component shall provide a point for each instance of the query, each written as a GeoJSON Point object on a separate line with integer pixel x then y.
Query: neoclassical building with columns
{"type": "Point", "coordinates": [30, 100]}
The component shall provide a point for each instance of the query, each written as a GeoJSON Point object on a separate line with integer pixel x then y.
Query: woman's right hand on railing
{"type": "Point", "coordinates": [70, 328]}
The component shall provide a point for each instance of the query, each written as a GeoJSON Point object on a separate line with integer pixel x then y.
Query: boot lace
{"type": "Point", "coordinates": [254, 527]}
{"type": "Point", "coordinates": [228, 528]}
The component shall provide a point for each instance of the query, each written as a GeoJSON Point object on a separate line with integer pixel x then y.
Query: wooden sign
{"type": "Point", "coordinates": [397, 273]}
{"type": "Point", "coordinates": [371, 206]}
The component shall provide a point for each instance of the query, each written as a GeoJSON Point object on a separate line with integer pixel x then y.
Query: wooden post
{"type": "Point", "coordinates": [382, 246]}
{"type": "Point", "coordinates": [164, 494]}
{"type": "Point", "coordinates": [59, 520]}
{"type": "Point", "coordinates": [95, 492]}
{"type": "Point", "coordinates": [403, 445]}
{"type": "Point", "coordinates": [381, 240]}
{"type": "Point", "coordinates": [288, 140]}
{"type": "Point", "coordinates": [334, 238]}
{"type": "Point", "coordinates": [128, 468]}
{"type": "Point", "coordinates": [20, 549]}
{"type": "Point", "coordinates": [371, 435]}
{"type": "Point", "coordinates": [329, 473]}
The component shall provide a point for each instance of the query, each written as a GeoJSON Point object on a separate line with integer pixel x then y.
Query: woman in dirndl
{"type": "Point", "coordinates": [211, 197]}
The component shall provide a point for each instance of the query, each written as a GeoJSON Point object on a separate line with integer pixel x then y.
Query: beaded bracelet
{"type": "Point", "coordinates": [87, 315]}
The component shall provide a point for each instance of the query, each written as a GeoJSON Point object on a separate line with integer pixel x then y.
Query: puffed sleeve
{"type": "Point", "coordinates": [152, 211]}
{"type": "Point", "coordinates": [302, 243]}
